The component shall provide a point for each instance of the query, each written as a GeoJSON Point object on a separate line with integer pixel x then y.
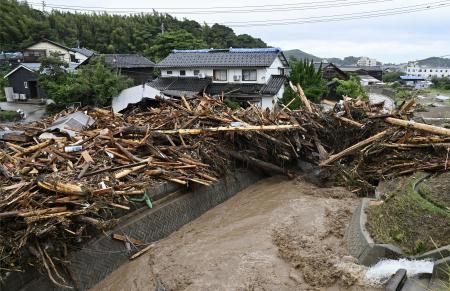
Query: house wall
{"type": "Point", "coordinates": [17, 81]}
{"type": "Point", "coordinates": [51, 48]}
{"type": "Point", "coordinates": [81, 58]}
{"type": "Point", "coordinates": [262, 74]}
{"type": "Point", "coordinates": [138, 75]}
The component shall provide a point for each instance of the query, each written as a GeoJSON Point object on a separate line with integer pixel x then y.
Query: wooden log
{"type": "Point", "coordinates": [419, 126]}
{"type": "Point", "coordinates": [112, 169]}
{"type": "Point", "coordinates": [196, 131]}
{"type": "Point", "coordinates": [126, 172]}
{"type": "Point", "coordinates": [303, 98]}
{"type": "Point", "coordinates": [34, 148]}
{"type": "Point", "coordinates": [64, 188]}
{"type": "Point", "coordinates": [351, 150]}
{"type": "Point", "coordinates": [126, 238]}
{"type": "Point", "coordinates": [271, 168]}
{"type": "Point", "coordinates": [141, 252]}
{"type": "Point", "coordinates": [42, 211]}
{"type": "Point", "coordinates": [350, 121]}
{"type": "Point", "coordinates": [127, 153]}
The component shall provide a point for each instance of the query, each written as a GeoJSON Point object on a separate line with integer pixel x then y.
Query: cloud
{"type": "Point", "coordinates": [386, 51]}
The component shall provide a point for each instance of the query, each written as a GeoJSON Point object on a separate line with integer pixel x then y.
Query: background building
{"type": "Point", "coordinates": [366, 62]}
{"type": "Point", "coordinates": [427, 72]}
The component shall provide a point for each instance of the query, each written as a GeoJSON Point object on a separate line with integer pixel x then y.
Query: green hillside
{"type": "Point", "coordinates": [435, 62]}
{"type": "Point", "coordinates": [21, 25]}
{"type": "Point", "coordinates": [301, 55]}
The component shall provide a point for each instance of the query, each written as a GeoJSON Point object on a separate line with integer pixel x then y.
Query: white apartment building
{"type": "Point", "coordinates": [367, 62]}
{"type": "Point", "coordinates": [427, 72]}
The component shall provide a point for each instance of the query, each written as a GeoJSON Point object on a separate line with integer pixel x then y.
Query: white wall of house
{"type": "Point", "coordinates": [234, 75]}
{"type": "Point", "coordinates": [80, 57]}
{"type": "Point", "coordinates": [51, 48]}
{"type": "Point", "coordinates": [267, 102]}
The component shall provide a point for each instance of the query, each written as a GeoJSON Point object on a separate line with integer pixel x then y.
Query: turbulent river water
{"type": "Point", "coordinates": [275, 235]}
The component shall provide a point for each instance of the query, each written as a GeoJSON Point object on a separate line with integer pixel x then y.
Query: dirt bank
{"type": "Point", "coordinates": [275, 235]}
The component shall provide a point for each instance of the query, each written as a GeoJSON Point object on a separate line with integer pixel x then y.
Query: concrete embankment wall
{"type": "Point", "coordinates": [104, 255]}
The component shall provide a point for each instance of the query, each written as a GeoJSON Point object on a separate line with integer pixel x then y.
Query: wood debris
{"type": "Point", "coordinates": [62, 191]}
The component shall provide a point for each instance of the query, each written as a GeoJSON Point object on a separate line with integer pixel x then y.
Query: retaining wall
{"type": "Point", "coordinates": [99, 258]}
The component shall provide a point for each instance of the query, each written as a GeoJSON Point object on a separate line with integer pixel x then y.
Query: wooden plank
{"type": "Point", "coordinates": [351, 150]}
{"type": "Point", "coordinates": [419, 126]}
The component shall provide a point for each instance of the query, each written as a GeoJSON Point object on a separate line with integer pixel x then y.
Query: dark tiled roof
{"type": "Point", "coordinates": [221, 58]}
{"type": "Point", "coordinates": [188, 84]}
{"type": "Point", "coordinates": [273, 85]}
{"type": "Point", "coordinates": [177, 86]}
{"type": "Point", "coordinates": [128, 61]}
{"type": "Point", "coordinates": [354, 69]}
{"type": "Point", "coordinates": [234, 89]}
{"type": "Point", "coordinates": [84, 51]}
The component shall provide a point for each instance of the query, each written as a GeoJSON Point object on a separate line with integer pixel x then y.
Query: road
{"type": "Point", "coordinates": [33, 112]}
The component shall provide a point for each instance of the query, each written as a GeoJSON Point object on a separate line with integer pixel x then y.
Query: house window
{"type": "Point", "coordinates": [182, 73]}
{"type": "Point", "coordinates": [196, 72]}
{"type": "Point", "coordinates": [25, 85]}
{"type": "Point", "coordinates": [169, 72]}
{"type": "Point", "coordinates": [220, 75]}
{"type": "Point", "coordinates": [248, 75]}
{"type": "Point", "coordinates": [73, 59]}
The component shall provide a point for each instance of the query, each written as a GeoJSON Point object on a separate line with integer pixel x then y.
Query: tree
{"type": "Point", "coordinates": [21, 25]}
{"type": "Point", "coordinates": [392, 76]}
{"type": "Point", "coordinates": [351, 88]}
{"type": "Point", "coordinates": [304, 73]}
{"type": "Point", "coordinates": [441, 83]}
{"type": "Point", "coordinates": [5, 67]}
{"type": "Point", "coordinates": [93, 84]}
{"type": "Point", "coordinates": [166, 42]}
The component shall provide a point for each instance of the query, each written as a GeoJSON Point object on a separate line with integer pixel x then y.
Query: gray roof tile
{"type": "Point", "coordinates": [219, 58]}
{"type": "Point", "coordinates": [128, 61]}
{"type": "Point", "coordinates": [273, 85]}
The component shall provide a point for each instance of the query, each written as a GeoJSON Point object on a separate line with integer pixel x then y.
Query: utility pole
{"type": "Point", "coordinates": [162, 27]}
{"type": "Point", "coordinates": [43, 5]}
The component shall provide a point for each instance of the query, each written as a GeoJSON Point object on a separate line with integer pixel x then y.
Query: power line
{"type": "Point", "coordinates": [340, 17]}
{"type": "Point", "coordinates": [437, 4]}
{"type": "Point", "coordinates": [323, 5]}
{"type": "Point", "coordinates": [102, 8]}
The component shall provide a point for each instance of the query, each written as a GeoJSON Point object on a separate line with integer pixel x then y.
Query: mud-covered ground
{"type": "Point", "coordinates": [276, 235]}
{"type": "Point", "coordinates": [437, 190]}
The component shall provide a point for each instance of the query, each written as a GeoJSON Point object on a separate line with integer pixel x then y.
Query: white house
{"type": "Point", "coordinates": [247, 75]}
{"type": "Point", "coordinates": [427, 72]}
{"type": "Point", "coordinates": [47, 47]}
{"type": "Point", "coordinates": [366, 62]}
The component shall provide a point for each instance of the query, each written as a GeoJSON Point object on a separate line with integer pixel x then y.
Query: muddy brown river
{"type": "Point", "coordinates": [275, 235]}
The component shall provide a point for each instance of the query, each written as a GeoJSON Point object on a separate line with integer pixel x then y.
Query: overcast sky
{"type": "Point", "coordinates": [395, 38]}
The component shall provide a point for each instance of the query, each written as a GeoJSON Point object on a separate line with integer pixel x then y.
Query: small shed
{"type": "Point", "coordinates": [23, 80]}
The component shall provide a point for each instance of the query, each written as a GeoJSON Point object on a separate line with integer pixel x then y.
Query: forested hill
{"type": "Point", "coordinates": [21, 25]}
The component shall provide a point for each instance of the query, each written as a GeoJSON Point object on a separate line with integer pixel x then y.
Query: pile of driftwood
{"type": "Point", "coordinates": [369, 145]}
{"type": "Point", "coordinates": [67, 177]}
{"type": "Point", "coordinates": [64, 179]}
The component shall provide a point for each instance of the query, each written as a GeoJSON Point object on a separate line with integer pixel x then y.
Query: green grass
{"type": "Point", "coordinates": [437, 91]}
{"type": "Point", "coordinates": [9, 116]}
{"type": "Point", "coordinates": [408, 220]}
